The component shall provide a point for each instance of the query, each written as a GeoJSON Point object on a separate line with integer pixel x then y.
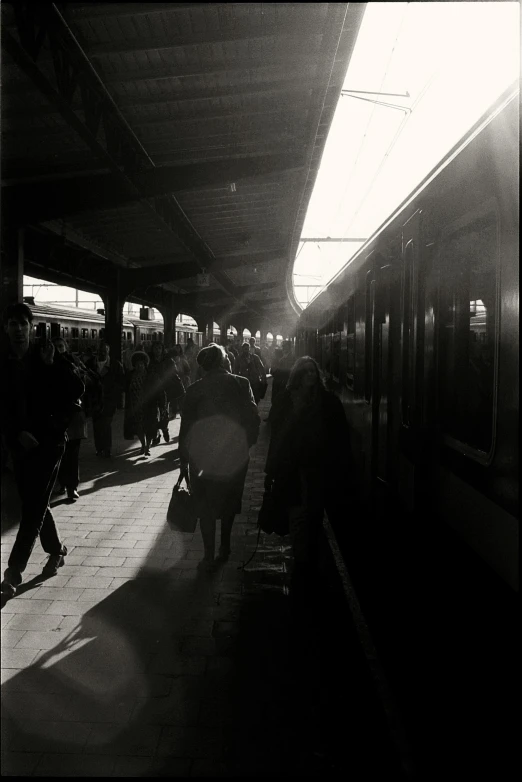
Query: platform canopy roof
{"type": "Point", "coordinates": [169, 138]}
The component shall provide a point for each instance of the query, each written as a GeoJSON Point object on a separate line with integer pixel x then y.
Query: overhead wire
{"type": "Point", "coordinates": [370, 118]}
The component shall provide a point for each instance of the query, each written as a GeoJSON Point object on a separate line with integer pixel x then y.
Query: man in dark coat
{"type": "Point", "coordinates": [308, 465]}
{"type": "Point", "coordinates": [38, 392]}
{"type": "Point", "coordinates": [112, 377]}
{"type": "Point", "coordinates": [219, 424]}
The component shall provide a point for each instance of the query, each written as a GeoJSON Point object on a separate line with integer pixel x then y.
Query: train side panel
{"type": "Point", "coordinates": [433, 400]}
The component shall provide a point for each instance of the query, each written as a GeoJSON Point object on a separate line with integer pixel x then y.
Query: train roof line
{"type": "Point", "coordinates": [484, 120]}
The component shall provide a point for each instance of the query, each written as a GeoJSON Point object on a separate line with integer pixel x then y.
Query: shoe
{"type": "Point", "coordinates": [224, 553]}
{"type": "Point", "coordinates": [54, 562]}
{"type": "Point", "coordinates": [147, 452]}
{"type": "Point", "coordinates": [12, 580]}
{"type": "Point", "coordinates": [156, 440]}
{"type": "Point", "coordinates": [166, 437]}
{"type": "Point", "coordinates": [143, 451]}
{"type": "Point", "coordinates": [72, 494]}
{"type": "Point", "coordinates": [206, 565]}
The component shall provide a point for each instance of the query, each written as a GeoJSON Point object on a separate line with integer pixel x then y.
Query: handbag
{"type": "Point", "coordinates": [181, 513]}
{"type": "Point", "coordinates": [273, 515]}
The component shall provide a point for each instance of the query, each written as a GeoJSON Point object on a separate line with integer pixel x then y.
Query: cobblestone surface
{"type": "Point", "coordinates": [126, 663]}
{"type": "Point", "coordinates": [131, 662]}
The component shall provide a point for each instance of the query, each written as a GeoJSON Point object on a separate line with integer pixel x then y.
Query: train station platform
{"type": "Point", "coordinates": [131, 662]}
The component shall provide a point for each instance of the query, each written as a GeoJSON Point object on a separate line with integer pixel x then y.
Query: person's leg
{"type": "Point", "coordinates": [226, 531]}
{"type": "Point", "coordinates": [208, 533]}
{"type": "Point", "coordinates": [97, 431]}
{"type": "Point", "coordinates": [62, 481]}
{"type": "Point", "coordinates": [108, 435]}
{"type": "Point", "coordinates": [164, 421]}
{"type": "Point", "coordinates": [72, 474]}
{"type": "Point", "coordinates": [143, 441]}
{"type": "Point", "coordinates": [36, 474]}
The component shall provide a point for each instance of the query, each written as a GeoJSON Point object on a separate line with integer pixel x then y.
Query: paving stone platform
{"type": "Point", "coordinates": [131, 662]}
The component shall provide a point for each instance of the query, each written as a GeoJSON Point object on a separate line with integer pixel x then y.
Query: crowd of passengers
{"type": "Point", "coordinates": [47, 395]}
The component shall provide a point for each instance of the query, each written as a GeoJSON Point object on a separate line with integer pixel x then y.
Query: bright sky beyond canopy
{"type": "Point", "coordinates": [454, 59]}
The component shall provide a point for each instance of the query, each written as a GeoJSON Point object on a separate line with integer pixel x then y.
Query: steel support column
{"type": "Point", "coordinates": [12, 266]}
{"type": "Point", "coordinates": [114, 299]}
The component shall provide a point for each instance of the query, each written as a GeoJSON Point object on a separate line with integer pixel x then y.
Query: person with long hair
{"type": "Point", "coordinates": [308, 465]}
{"type": "Point", "coordinates": [69, 473]}
{"type": "Point", "coordinates": [135, 402]}
{"type": "Point", "coordinates": [219, 424]}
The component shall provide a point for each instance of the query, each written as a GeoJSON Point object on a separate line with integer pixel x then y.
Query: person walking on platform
{"type": "Point", "coordinates": [38, 388]}
{"type": "Point", "coordinates": [135, 402]}
{"type": "Point", "coordinates": [191, 354]}
{"type": "Point", "coordinates": [182, 365]}
{"type": "Point", "coordinates": [251, 367]}
{"type": "Point", "coordinates": [283, 364]}
{"type": "Point", "coordinates": [219, 424]}
{"type": "Point", "coordinates": [164, 390]}
{"type": "Point", "coordinates": [112, 377]}
{"type": "Point", "coordinates": [307, 467]}
{"type": "Point", "coordinates": [69, 473]}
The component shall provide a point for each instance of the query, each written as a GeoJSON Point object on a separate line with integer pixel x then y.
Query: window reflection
{"type": "Point", "coordinates": [468, 333]}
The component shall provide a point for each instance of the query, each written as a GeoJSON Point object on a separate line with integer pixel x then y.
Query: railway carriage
{"type": "Point", "coordinates": [418, 335]}
{"type": "Point", "coordinates": [85, 328]}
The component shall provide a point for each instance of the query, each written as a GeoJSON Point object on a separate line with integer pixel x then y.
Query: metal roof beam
{"type": "Point", "coordinates": [118, 146]}
{"type": "Point", "coordinates": [255, 90]}
{"type": "Point", "coordinates": [299, 63]}
{"type": "Point", "coordinates": [46, 201]}
{"type": "Point", "coordinates": [238, 32]}
{"type": "Point", "coordinates": [85, 11]}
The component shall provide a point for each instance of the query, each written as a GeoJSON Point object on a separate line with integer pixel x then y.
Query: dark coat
{"type": "Point", "coordinates": [219, 424]}
{"type": "Point", "coordinates": [113, 383]}
{"type": "Point", "coordinates": [164, 383]}
{"type": "Point", "coordinates": [37, 398]}
{"type": "Point", "coordinates": [316, 440]}
{"type": "Point", "coordinates": [251, 367]}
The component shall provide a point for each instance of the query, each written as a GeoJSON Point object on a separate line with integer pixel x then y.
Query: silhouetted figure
{"type": "Point", "coordinates": [251, 367]}
{"type": "Point", "coordinates": [307, 466]}
{"type": "Point", "coordinates": [38, 390]}
{"type": "Point", "coordinates": [111, 375]}
{"type": "Point", "coordinates": [135, 402]}
{"type": "Point", "coordinates": [69, 472]}
{"type": "Point", "coordinates": [219, 424]}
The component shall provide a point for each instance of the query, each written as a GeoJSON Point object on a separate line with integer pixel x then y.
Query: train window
{"type": "Point", "coordinates": [129, 335]}
{"type": "Point", "coordinates": [85, 333]}
{"type": "Point", "coordinates": [75, 333]}
{"type": "Point", "coordinates": [468, 333]}
{"type": "Point", "coordinates": [408, 379]}
{"type": "Point", "coordinates": [94, 333]}
{"type": "Point", "coordinates": [370, 295]}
